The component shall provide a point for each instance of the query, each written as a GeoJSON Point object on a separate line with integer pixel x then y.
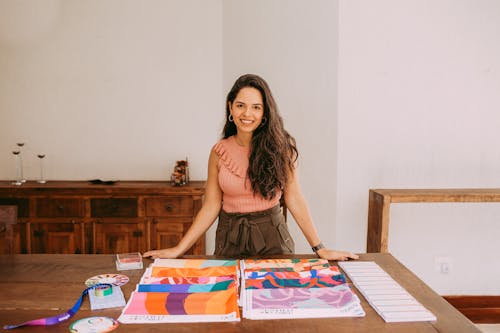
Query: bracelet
{"type": "Point", "coordinates": [318, 247]}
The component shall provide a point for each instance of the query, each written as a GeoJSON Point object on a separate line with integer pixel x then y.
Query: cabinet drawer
{"type": "Point", "coordinates": [60, 207]}
{"type": "Point", "coordinates": [113, 207]}
{"type": "Point", "coordinates": [169, 206]}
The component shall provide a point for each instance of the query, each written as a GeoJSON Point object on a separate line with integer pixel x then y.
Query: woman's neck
{"type": "Point", "coordinates": [243, 140]}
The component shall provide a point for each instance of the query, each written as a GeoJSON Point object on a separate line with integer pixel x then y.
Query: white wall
{"type": "Point", "coordinates": [419, 87]}
{"type": "Point", "coordinates": [378, 94]}
{"type": "Point", "coordinates": [109, 89]}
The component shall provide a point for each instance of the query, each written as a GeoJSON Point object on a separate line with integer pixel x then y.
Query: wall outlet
{"type": "Point", "coordinates": [442, 265]}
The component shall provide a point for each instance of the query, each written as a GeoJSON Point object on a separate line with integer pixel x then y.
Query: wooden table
{"type": "Point", "coordinates": [380, 201]}
{"type": "Point", "coordinates": [41, 285]}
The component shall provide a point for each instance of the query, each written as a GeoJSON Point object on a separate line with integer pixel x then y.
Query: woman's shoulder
{"type": "Point", "coordinates": [230, 156]}
{"type": "Point", "coordinates": [223, 146]}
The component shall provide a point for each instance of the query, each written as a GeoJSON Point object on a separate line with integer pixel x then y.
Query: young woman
{"type": "Point", "coordinates": [249, 170]}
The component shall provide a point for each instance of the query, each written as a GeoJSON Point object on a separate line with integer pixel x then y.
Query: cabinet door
{"type": "Point", "coordinates": [57, 237]}
{"type": "Point", "coordinates": [112, 237]}
{"type": "Point", "coordinates": [21, 203]}
{"type": "Point", "coordinates": [167, 233]}
{"type": "Point", "coordinates": [8, 236]}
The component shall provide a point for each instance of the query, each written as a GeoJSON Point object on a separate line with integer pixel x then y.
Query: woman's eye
{"type": "Point", "coordinates": [257, 107]}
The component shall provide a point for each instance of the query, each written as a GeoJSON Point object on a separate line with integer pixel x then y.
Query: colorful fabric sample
{"type": "Point", "coordinates": [146, 307]}
{"type": "Point", "coordinates": [296, 288]}
{"type": "Point", "coordinates": [283, 303]}
{"type": "Point", "coordinates": [332, 270]}
{"type": "Point", "coordinates": [194, 263]}
{"type": "Point", "coordinates": [193, 272]}
{"type": "Point", "coordinates": [270, 282]}
{"type": "Point", "coordinates": [285, 265]}
{"type": "Point", "coordinates": [186, 288]}
{"type": "Point", "coordinates": [185, 280]}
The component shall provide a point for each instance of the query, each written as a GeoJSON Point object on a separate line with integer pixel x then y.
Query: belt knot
{"type": "Point", "coordinates": [245, 234]}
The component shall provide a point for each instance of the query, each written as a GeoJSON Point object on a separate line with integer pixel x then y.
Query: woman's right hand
{"type": "Point", "coordinates": [170, 253]}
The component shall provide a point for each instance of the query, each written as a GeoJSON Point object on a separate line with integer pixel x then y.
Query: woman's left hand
{"type": "Point", "coordinates": [336, 255]}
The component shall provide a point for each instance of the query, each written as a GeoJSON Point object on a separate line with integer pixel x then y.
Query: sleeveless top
{"type": "Point", "coordinates": [237, 193]}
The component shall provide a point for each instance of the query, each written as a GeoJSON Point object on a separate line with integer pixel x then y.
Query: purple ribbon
{"type": "Point", "coordinates": [61, 317]}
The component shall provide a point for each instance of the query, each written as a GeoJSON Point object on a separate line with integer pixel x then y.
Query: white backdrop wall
{"type": "Point", "coordinates": [109, 89]}
{"type": "Point", "coordinates": [419, 103]}
{"type": "Point", "coordinates": [377, 94]}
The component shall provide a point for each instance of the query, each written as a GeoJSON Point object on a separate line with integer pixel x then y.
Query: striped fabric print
{"type": "Point", "coordinates": [193, 272]}
{"type": "Point", "coordinates": [285, 265]}
{"type": "Point", "coordinates": [332, 270]}
{"type": "Point", "coordinates": [187, 288]}
{"type": "Point", "coordinates": [159, 303]}
{"type": "Point", "coordinates": [302, 298]}
{"type": "Point", "coordinates": [185, 280]}
{"type": "Point", "coordinates": [194, 263]}
{"type": "Point", "coordinates": [270, 282]}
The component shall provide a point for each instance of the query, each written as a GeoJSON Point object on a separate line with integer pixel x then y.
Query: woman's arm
{"type": "Point", "coordinates": [297, 205]}
{"type": "Point", "coordinates": [209, 211]}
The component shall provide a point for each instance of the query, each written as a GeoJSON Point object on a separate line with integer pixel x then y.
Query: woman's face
{"type": "Point", "coordinates": [247, 109]}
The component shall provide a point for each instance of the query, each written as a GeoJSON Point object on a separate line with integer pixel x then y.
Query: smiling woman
{"type": "Point", "coordinates": [247, 113]}
{"type": "Point", "coordinates": [249, 170]}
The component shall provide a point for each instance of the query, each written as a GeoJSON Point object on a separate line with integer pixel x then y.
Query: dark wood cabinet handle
{"type": "Point", "coordinates": [60, 208]}
{"type": "Point", "coordinates": [137, 233]}
{"type": "Point", "coordinates": [169, 208]}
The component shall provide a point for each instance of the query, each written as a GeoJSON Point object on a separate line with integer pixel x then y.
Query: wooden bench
{"type": "Point", "coordinates": [380, 201]}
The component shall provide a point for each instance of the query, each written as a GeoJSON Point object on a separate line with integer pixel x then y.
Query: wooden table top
{"type": "Point", "coordinates": [40, 285]}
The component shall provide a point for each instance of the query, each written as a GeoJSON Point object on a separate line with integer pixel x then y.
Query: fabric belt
{"type": "Point", "coordinates": [245, 233]}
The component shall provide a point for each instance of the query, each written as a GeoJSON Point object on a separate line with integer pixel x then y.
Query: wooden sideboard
{"type": "Point", "coordinates": [80, 217]}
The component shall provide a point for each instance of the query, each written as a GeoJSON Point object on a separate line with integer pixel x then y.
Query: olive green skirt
{"type": "Point", "coordinates": [252, 234]}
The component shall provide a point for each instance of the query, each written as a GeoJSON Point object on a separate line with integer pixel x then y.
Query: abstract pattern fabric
{"type": "Point", "coordinates": [185, 280]}
{"type": "Point", "coordinates": [193, 272]}
{"type": "Point", "coordinates": [285, 265]}
{"type": "Point", "coordinates": [203, 303]}
{"type": "Point", "coordinates": [296, 288]}
{"type": "Point", "coordinates": [270, 282]}
{"type": "Point", "coordinates": [185, 290]}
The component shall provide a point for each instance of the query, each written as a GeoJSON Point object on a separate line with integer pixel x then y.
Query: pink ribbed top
{"type": "Point", "coordinates": [237, 194]}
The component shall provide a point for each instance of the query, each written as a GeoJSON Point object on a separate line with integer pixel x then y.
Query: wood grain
{"type": "Point", "coordinates": [380, 200]}
{"type": "Point", "coordinates": [41, 285]}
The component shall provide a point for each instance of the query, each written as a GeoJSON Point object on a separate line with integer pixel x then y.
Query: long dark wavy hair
{"type": "Point", "coordinates": [273, 151]}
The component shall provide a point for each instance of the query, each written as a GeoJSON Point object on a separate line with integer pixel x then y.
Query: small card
{"type": "Point", "coordinates": [128, 261]}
